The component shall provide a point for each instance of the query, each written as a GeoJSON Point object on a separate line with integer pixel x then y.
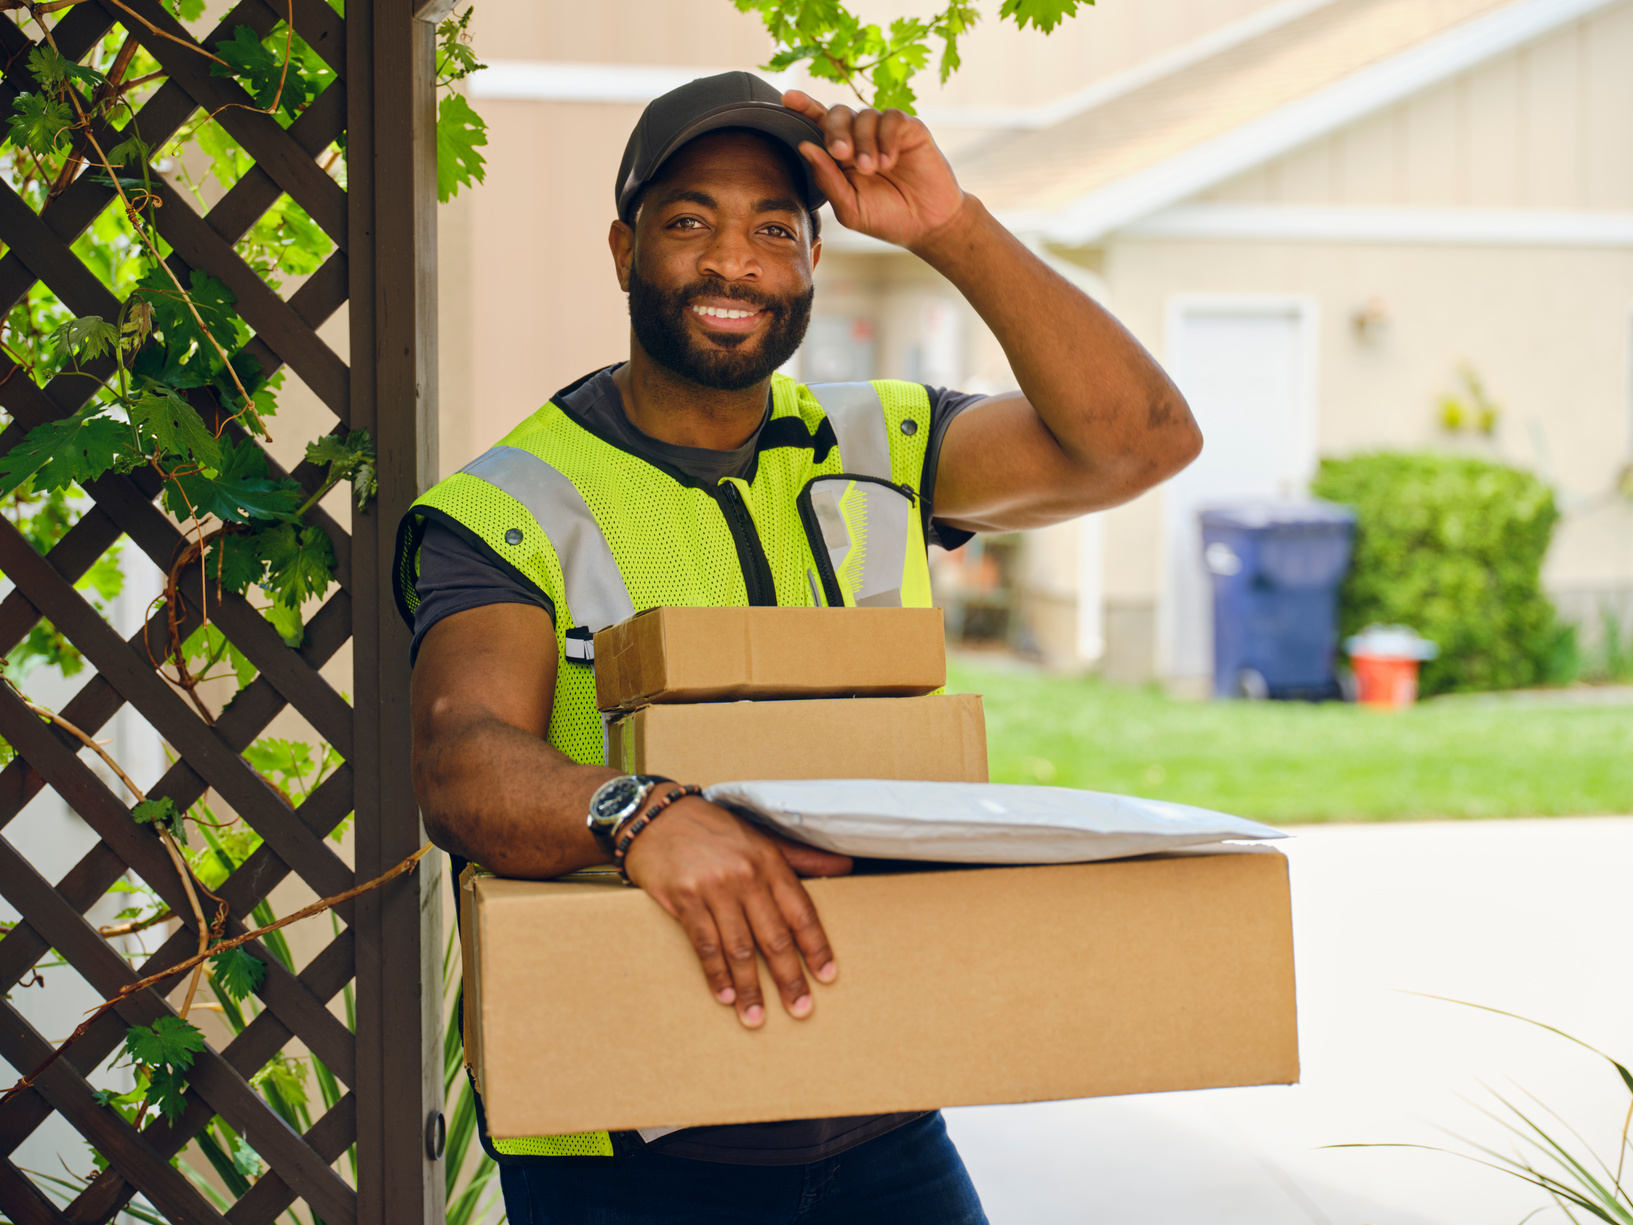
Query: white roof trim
{"type": "Point", "coordinates": [1362, 93]}
{"type": "Point", "coordinates": [566, 81]}
{"type": "Point", "coordinates": [1441, 226]}
{"type": "Point", "coordinates": [570, 81]}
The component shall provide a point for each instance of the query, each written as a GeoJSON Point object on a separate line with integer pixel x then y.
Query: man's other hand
{"type": "Point", "coordinates": [881, 171]}
{"type": "Point", "coordinates": [734, 888]}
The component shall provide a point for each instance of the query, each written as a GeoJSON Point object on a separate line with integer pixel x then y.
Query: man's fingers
{"type": "Point", "coordinates": [864, 135]}
{"type": "Point", "coordinates": [737, 943]}
{"type": "Point", "coordinates": [799, 100]}
{"type": "Point", "coordinates": [813, 861]}
{"type": "Point", "coordinates": [831, 179]}
{"type": "Point", "coordinates": [701, 930]}
{"type": "Point", "coordinates": [800, 914]}
{"type": "Point", "coordinates": [894, 126]}
{"type": "Point", "coordinates": [836, 131]}
{"type": "Point", "coordinates": [782, 953]}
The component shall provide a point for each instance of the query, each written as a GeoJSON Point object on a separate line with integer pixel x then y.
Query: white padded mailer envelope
{"type": "Point", "coordinates": [977, 822]}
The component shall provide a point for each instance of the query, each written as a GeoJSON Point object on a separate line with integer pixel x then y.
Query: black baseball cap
{"type": "Point", "coordinates": [729, 100]}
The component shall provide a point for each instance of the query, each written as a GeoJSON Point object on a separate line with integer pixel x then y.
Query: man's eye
{"type": "Point", "coordinates": [684, 223]}
{"type": "Point", "coordinates": [779, 231]}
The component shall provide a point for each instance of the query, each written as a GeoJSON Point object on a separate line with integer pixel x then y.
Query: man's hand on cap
{"type": "Point", "coordinates": [881, 171]}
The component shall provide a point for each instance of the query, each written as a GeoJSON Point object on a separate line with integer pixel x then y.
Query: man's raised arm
{"type": "Point", "coordinates": [1096, 421]}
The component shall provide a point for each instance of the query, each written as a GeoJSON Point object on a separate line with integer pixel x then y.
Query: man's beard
{"type": "Point", "coordinates": [659, 319]}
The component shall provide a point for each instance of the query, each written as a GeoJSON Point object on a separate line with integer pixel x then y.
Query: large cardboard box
{"type": "Point", "coordinates": [718, 654]}
{"type": "Point", "coordinates": [587, 1009]}
{"type": "Point", "coordinates": [941, 738]}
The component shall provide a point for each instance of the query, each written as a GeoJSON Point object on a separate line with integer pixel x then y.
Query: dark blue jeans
{"type": "Point", "coordinates": [910, 1176]}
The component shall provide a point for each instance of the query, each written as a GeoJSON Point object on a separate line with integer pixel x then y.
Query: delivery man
{"type": "Point", "coordinates": [694, 474]}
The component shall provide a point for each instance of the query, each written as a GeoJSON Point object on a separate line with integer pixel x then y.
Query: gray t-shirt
{"type": "Point", "coordinates": [456, 575]}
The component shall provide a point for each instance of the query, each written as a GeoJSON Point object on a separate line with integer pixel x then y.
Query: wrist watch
{"type": "Point", "coordinates": [616, 799]}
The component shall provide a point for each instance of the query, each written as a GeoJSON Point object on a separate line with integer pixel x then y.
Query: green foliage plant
{"type": "Point", "coordinates": [1555, 1159]}
{"type": "Point", "coordinates": [839, 47]}
{"type": "Point", "coordinates": [1452, 547]}
{"type": "Point", "coordinates": [173, 391]}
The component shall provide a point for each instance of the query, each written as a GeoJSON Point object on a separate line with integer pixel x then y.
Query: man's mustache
{"type": "Point", "coordinates": [736, 293]}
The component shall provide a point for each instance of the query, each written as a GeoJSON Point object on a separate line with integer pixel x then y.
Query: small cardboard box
{"type": "Point", "coordinates": [721, 654]}
{"type": "Point", "coordinates": [587, 1011]}
{"type": "Point", "coordinates": [941, 738]}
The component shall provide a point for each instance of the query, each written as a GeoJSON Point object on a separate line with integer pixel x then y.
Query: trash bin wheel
{"type": "Point", "coordinates": [1349, 689]}
{"type": "Point", "coordinates": [1251, 685]}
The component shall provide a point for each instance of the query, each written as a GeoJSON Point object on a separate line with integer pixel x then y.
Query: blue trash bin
{"type": "Point", "coordinates": [1276, 569]}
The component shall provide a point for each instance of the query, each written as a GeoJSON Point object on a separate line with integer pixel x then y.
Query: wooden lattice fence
{"type": "Point", "coordinates": [382, 271]}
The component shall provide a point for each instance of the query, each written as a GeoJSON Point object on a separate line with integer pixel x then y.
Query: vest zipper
{"type": "Point", "coordinates": [757, 580]}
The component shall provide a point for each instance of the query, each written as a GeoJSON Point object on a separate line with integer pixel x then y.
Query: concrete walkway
{"type": "Point", "coordinates": [1529, 916]}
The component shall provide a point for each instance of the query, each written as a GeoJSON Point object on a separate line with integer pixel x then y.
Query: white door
{"type": "Point", "coordinates": [1247, 367]}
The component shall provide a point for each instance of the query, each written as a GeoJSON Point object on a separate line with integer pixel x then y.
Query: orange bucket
{"type": "Point", "coordinates": [1385, 681]}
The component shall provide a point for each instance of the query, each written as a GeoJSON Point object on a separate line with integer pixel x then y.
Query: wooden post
{"type": "Point", "coordinates": [391, 162]}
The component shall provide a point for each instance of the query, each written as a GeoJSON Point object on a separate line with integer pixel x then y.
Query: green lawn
{"type": "Point", "coordinates": [1288, 762]}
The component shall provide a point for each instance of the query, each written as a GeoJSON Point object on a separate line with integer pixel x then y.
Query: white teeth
{"type": "Point", "coordinates": [720, 313]}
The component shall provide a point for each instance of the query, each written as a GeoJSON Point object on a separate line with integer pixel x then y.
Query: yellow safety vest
{"type": "Point", "coordinates": [831, 516]}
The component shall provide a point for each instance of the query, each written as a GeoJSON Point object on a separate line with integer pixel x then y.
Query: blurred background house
{"type": "Point", "coordinates": [1342, 225]}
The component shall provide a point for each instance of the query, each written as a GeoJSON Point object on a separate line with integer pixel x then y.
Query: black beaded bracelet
{"type": "Point", "coordinates": [625, 834]}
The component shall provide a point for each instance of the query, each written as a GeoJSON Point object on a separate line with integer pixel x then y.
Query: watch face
{"type": "Point", "coordinates": [614, 799]}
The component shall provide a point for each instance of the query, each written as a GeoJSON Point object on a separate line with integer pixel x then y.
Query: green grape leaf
{"type": "Point", "coordinates": [285, 759]}
{"type": "Point", "coordinates": [245, 1159]}
{"type": "Point", "coordinates": [78, 448]}
{"type": "Point", "coordinates": [456, 59]}
{"type": "Point", "coordinates": [1044, 15]}
{"type": "Point", "coordinates": [39, 123]}
{"type": "Point", "coordinates": [175, 425]}
{"type": "Point", "coordinates": [286, 1077]}
{"type": "Point", "coordinates": [214, 303]}
{"type": "Point", "coordinates": [188, 10]}
{"type": "Point", "coordinates": [169, 1089]}
{"type": "Point", "coordinates": [234, 563]}
{"type": "Point", "coordinates": [132, 149]}
{"type": "Point", "coordinates": [169, 1043]}
{"type": "Point", "coordinates": [256, 68]}
{"type": "Point", "coordinates": [160, 813]}
{"type": "Point", "coordinates": [299, 564]}
{"type": "Point", "coordinates": [237, 973]}
{"type": "Point", "coordinates": [460, 130]}
{"type": "Point", "coordinates": [287, 621]}
{"type": "Point", "coordinates": [229, 499]}
{"type": "Point", "coordinates": [89, 335]}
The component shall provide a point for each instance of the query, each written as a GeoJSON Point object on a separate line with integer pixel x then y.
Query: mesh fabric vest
{"type": "Point", "coordinates": [830, 515]}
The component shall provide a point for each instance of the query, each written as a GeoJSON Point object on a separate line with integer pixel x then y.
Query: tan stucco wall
{"type": "Point", "coordinates": [1549, 125]}
{"type": "Point", "coordinates": [1548, 329]}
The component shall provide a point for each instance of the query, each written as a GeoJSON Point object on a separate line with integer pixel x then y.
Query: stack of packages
{"type": "Point", "coordinates": [585, 1006]}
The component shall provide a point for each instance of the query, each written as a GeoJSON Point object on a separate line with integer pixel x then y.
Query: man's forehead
{"type": "Point", "coordinates": [736, 157]}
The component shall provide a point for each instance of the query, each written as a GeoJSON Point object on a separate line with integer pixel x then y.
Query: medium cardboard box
{"type": "Point", "coordinates": [719, 654]}
{"type": "Point", "coordinates": [587, 1011]}
{"type": "Point", "coordinates": [941, 738]}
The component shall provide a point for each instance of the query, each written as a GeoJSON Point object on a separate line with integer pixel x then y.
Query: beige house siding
{"type": "Point", "coordinates": [1547, 126]}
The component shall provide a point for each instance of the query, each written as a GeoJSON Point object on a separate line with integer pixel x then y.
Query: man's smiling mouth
{"type": "Point", "coordinates": [718, 312]}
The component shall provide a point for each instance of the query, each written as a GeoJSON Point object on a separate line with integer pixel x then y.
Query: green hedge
{"type": "Point", "coordinates": [1453, 548]}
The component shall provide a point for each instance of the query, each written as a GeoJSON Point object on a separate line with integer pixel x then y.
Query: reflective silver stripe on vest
{"type": "Point", "coordinates": [595, 591]}
{"type": "Point", "coordinates": [858, 419]}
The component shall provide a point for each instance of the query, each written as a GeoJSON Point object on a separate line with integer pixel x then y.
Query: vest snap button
{"type": "Point", "coordinates": [910, 427]}
{"type": "Point", "coordinates": [513, 536]}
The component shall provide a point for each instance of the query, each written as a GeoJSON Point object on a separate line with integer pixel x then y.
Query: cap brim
{"type": "Point", "coordinates": [772, 118]}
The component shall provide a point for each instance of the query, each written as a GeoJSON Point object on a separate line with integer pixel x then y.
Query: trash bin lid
{"type": "Point", "coordinates": [1391, 642]}
{"type": "Point", "coordinates": [1309, 512]}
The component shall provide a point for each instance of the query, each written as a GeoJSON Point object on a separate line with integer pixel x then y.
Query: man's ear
{"type": "Point", "coordinates": [621, 240]}
{"type": "Point", "coordinates": [816, 254]}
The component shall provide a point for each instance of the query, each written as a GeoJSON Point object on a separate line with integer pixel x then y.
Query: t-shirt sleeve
{"type": "Point", "coordinates": [944, 406]}
{"type": "Point", "coordinates": [456, 576]}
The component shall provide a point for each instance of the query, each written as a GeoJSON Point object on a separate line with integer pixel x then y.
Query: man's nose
{"type": "Point", "coordinates": [730, 256]}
